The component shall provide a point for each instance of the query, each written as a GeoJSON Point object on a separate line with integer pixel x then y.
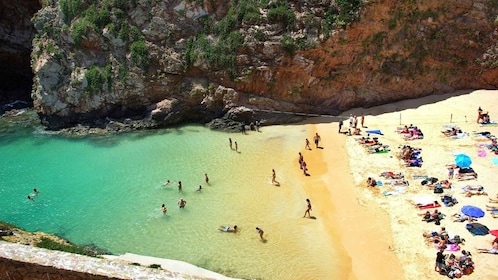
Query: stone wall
{"type": "Point", "coordinates": [17, 270]}
{"type": "Point", "coordinates": [23, 262]}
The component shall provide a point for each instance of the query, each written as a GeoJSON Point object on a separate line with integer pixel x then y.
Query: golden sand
{"type": "Point", "coordinates": [382, 235]}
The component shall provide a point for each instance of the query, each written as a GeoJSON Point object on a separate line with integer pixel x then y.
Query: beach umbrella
{"type": "Point", "coordinates": [463, 160]}
{"type": "Point", "coordinates": [472, 211]}
{"type": "Point", "coordinates": [494, 232]}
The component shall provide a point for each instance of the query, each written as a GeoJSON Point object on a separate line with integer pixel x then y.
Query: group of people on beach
{"type": "Point", "coordinates": [447, 264]}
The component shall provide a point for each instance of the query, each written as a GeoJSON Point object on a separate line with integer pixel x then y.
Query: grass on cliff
{"type": "Point", "coordinates": [50, 244]}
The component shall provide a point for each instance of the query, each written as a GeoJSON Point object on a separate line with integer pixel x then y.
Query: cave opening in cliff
{"type": "Point", "coordinates": [16, 36]}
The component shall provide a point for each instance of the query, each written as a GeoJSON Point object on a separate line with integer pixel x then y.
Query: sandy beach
{"type": "Point", "coordinates": [383, 234]}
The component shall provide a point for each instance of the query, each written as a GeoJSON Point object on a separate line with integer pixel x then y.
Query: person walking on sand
{"type": "Point", "coordinates": [230, 142]}
{"type": "Point", "coordinates": [260, 232]}
{"type": "Point", "coordinates": [308, 208]}
{"type": "Point", "coordinates": [307, 145]}
{"type": "Point", "coordinates": [179, 186]}
{"type": "Point", "coordinates": [236, 147]}
{"type": "Point", "coordinates": [274, 178]}
{"type": "Point", "coordinates": [341, 123]}
{"type": "Point", "coordinates": [206, 178]}
{"type": "Point", "coordinates": [317, 139]}
{"type": "Point", "coordinates": [163, 209]}
{"type": "Point", "coordinates": [355, 121]}
{"type": "Point", "coordinates": [301, 159]}
{"type": "Point", "coordinates": [362, 120]}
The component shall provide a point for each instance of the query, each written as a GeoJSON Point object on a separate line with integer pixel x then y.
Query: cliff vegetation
{"type": "Point", "coordinates": [152, 63]}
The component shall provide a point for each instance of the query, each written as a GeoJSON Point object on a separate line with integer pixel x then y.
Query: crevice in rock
{"type": "Point", "coordinates": [16, 35]}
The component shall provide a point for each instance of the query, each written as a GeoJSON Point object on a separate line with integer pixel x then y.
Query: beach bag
{"type": "Point", "coordinates": [438, 189]}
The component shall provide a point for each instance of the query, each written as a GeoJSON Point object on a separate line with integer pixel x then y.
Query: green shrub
{"type": "Point", "coordinates": [95, 80]}
{"type": "Point", "coordinates": [140, 53]}
{"type": "Point", "coordinates": [282, 14]}
{"type": "Point", "coordinates": [79, 30]}
{"type": "Point", "coordinates": [288, 44]}
{"type": "Point", "coordinates": [71, 248]}
{"type": "Point", "coordinates": [70, 8]}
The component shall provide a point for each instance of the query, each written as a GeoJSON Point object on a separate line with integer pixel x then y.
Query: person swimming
{"type": "Point", "coordinates": [228, 228]}
{"type": "Point", "coordinates": [167, 183]}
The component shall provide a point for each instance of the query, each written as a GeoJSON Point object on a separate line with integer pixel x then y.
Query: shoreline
{"type": "Point", "coordinates": [380, 236]}
{"type": "Point", "coordinates": [367, 245]}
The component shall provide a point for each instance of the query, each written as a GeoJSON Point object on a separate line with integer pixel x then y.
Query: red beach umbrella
{"type": "Point", "coordinates": [494, 232]}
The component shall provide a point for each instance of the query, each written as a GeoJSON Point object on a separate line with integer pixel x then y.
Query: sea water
{"type": "Point", "coordinates": [108, 191]}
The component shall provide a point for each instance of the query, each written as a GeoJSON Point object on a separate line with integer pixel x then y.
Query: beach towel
{"type": "Point", "coordinates": [460, 135]}
{"type": "Point", "coordinates": [374, 131]}
{"type": "Point", "coordinates": [477, 229]}
{"type": "Point", "coordinates": [452, 248]}
{"type": "Point", "coordinates": [423, 200]}
{"type": "Point", "coordinates": [494, 161]}
{"type": "Point", "coordinates": [397, 191]}
{"type": "Point", "coordinates": [416, 176]}
{"type": "Point", "coordinates": [430, 206]}
{"type": "Point", "coordinates": [380, 152]}
{"type": "Point", "coordinates": [491, 123]}
{"type": "Point", "coordinates": [481, 153]}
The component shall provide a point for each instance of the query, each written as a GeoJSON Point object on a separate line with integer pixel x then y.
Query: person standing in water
{"type": "Point", "coordinates": [163, 209]}
{"type": "Point", "coordinates": [206, 178]}
{"type": "Point", "coordinates": [260, 232]}
{"type": "Point", "coordinates": [308, 208]}
{"type": "Point", "coordinates": [181, 203]}
{"type": "Point", "coordinates": [179, 186]}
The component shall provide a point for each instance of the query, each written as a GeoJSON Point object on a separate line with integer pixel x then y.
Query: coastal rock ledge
{"type": "Point", "coordinates": [128, 64]}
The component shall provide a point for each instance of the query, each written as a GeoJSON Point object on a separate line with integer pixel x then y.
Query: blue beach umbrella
{"type": "Point", "coordinates": [463, 160]}
{"type": "Point", "coordinates": [472, 211]}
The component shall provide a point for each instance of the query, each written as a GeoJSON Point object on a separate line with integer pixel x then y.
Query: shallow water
{"type": "Point", "coordinates": [108, 191]}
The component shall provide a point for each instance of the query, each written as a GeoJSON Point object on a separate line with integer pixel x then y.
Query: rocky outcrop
{"type": "Point", "coordinates": [175, 61]}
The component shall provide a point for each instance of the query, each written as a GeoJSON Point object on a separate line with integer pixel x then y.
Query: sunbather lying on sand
{"type": "Point", "coordinates": [491, 208]}
{"type": "Point", "coordinates": [392, 175]}
{"type": "Point", "coordinates": [492, 250]}
{"type": "Point", "coordinates": [452, 132]}
{"type": "Point", "coordinates": [398, 182]}
{"type": "Point", "coordinates": [474, 190]}
{"type": "Point", "coordinates": [445, 184]}
{"type": "Point", "coordinates": [493, 200]}
{"type": "Point", "coordinates": [459, 217]}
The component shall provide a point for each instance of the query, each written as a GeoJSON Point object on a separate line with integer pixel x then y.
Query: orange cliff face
{"type": "Point", "coordinates": [192, 62]}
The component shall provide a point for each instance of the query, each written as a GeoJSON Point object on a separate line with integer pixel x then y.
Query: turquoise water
{"type": "Point", "coordinates": [108, 191]}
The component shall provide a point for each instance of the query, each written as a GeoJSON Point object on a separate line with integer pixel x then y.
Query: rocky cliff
{"type": "Point", "coordinates": [172, 61]}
